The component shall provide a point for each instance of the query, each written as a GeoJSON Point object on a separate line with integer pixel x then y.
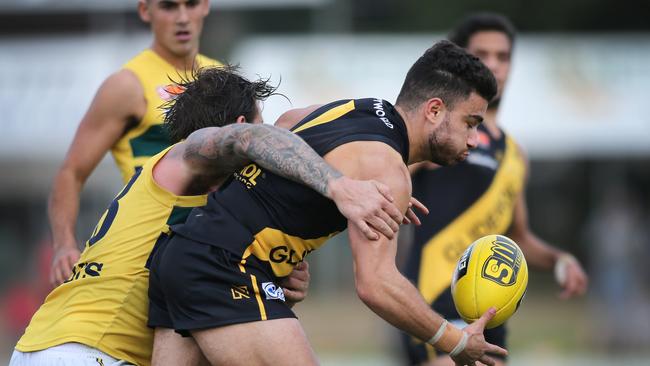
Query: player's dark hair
{"type": "Point", "coordinates": [215, 97]}
{"type": "Point", "coordinates": [448, 72]}
{"type": "Point", "coordinates": [481, 22]}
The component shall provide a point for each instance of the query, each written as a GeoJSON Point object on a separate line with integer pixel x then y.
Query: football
{"type": "Point", "coordinates": [492, 272]}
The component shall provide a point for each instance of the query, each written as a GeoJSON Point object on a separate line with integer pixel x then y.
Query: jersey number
{"type": "Point", "coordinates": [111, 212]}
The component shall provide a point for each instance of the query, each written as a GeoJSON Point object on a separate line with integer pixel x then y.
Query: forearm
{"type": "Point", "coordinates": [286, 154]}
{"type": "Point", "coordinates": [63, 209]}
{"type": "Point", "coordinates": [539, 254]}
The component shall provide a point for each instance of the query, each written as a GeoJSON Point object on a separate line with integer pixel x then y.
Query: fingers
{"type": "Point", "coordinates": [487, 360]}
{"type": "Point", "coordinates": [484, 319]}
{"type": "Point", "coordinates": [384, 190]}
{"type": "Point", "coordinates": [395, 215]}
{"type": "Point", "coordinates": [293, 296]}
{"type": "Point", "coordinates": [381, 226]}
{"type": "Point", "coordinates": [366, 230]}
{"type": "Point", "coordinates": [412, 217]}
{"type": "Point", "coordinates": [496, 350]}
{"type": "Point", "coordinates": [419, 206]}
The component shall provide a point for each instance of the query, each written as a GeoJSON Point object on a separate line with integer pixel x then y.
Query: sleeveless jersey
{"type": "Point", "coordinates": [148, 137]}
{"type": "Point", "coordinates": [467, 201]}
{"type": "Point", "coordinates": [104, 303]}
{"type": "Point", "coordinates": [276, 220]}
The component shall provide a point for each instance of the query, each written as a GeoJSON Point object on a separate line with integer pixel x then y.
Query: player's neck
{"type": "Point", "coordinates": [417, 140]}
{"type": "Point", "coordinates": [180, 63]}
{"type": "Point", "coordinates": [490, 122]}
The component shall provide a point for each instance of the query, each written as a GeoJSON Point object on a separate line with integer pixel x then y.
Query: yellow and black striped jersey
{"type": "Point", "coordinates": [147, 138]}
{"type": "Point", "coordinates": [467, 201]}
{"type": "Point", "coordinates": [278, 221]}
{"type": "Point", "coordinates": [104, 303]}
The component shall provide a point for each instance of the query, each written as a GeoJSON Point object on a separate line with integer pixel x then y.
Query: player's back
{"type": "Point", "coordinates": [104, 302]}
{"type": "Point", "coordinates": [281, 221]}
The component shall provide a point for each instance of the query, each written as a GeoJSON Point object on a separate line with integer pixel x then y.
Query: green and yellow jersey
{"type": "Point", "coordinates": [104, 303]}
{"type": "Point", "coordinates": [148, 137]}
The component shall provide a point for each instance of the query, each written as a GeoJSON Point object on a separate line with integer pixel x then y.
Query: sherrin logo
{"type": "Point", "coordinates": [272, 291]}
{"type": "Point", "coordinates": [503, 264]}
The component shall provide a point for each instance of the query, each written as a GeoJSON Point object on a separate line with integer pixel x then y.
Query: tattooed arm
{"type": "Point", "coordinates": [213, 153]}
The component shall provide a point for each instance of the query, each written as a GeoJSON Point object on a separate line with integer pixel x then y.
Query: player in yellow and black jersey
{"type": "Point", "coordinates": [217, 277]}
{"type": "Point", "coordinates": [100, 311]}
{"type": "Point", "coordinates": [480, 196]}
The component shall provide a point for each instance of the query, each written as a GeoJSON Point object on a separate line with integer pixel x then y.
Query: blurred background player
{"type": "Point", "coordinates": [124, 116]}
{"type": "Point", "coordinates": [483, 195]}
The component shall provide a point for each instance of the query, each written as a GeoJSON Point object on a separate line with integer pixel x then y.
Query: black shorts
{"type": "Point", "coordinates": [195, 286]}
{"type": "Point", "coordinates": [418, 352]}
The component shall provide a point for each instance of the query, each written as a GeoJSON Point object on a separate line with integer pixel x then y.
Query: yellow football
{"type": "Point", "coordinates": [491, 273]}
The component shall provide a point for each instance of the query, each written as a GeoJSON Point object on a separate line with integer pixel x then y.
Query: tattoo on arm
{"type": "Point", "coordinates": [225, 150]}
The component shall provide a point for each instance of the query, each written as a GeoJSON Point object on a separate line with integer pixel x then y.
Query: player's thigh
{"type": "Point", "coordinates": [170, 348]}
{"type": "Point", "coordinates": [271, 342]}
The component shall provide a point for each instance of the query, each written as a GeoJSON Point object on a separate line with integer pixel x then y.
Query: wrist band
{"type": "Point", "coordinates": [436, 337]}
{"type": "Point", "coordinates": [460, 347]}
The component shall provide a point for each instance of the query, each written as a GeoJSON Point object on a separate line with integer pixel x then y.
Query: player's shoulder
{"type": "Point", "coordinates": [205, 61]}
{"type": "Point", "coordinates": [122, 85]}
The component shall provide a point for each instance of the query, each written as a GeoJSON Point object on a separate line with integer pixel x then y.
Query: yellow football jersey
{"type": "Point", "coordinates": [104, 303]}
{"type": "Point", "coordinates": [148, 138]}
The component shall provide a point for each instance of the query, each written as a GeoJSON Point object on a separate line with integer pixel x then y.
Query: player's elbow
{"type": "Point", "coordinates": [369, 287]}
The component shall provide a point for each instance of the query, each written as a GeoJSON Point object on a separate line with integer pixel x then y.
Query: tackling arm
{"type": "Point", "coordinates": [222, 151]}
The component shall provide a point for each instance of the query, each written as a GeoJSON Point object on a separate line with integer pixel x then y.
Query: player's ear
{"type": "Point", "coordinates": [143, 10]}
{"type": "Point", "coordinates": [241, 119]}
{"type": "Point", "coordinates": [434, 109]}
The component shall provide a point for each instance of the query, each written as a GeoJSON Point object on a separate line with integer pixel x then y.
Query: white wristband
{"type": "Point", "coordinates": [560, 269]}
{"type": "Point", "coordinates": [436, 337]}
{"type": "Point", "coordinates": [460, 347]}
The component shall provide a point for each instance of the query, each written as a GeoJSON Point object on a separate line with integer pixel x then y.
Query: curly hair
{"type": "Point", "coordinates": [213, 97]}
{"type": "Point", "coordinates": [448, 72]}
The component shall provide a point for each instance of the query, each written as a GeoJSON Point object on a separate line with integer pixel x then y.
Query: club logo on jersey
{"type": "Point", "coordinates": [378, 106]}
{"type": "Point", "coordinates": [249, 175]}
{"type": "Point", "coordinates": [272, 291]}
{"type": "Point", "coordinates": [240, 292]}
{"type": "Point", "coordinates": [503, 265]}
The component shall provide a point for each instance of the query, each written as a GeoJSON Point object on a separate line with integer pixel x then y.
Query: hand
{"type": "Point", "coordinates": [368, 205]}
{"type": "Point", "coordinates": [411, 217]}
{"type": "Point", "coordinates": [477, 347]}
{"type": "Point", "coordinates": [295, 286]}
{"type": "Point", "coordinates": [570, 275]}
{"type": "Point", "coordinates": [64, 259]}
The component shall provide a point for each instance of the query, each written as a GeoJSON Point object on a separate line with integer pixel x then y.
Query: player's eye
{"type": "Point", "coordinates": [167, 5]}
{"type": "Point", "coordinates": [192, 3]}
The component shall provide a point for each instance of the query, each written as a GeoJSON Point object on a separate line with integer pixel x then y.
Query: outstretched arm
{"type": "Point", "coordinates": [378, 282]}
{"type": "Point", "coordinates": [222, 151]}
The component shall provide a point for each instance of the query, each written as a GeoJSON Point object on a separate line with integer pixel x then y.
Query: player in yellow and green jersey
{"type": "Point", "coordinates": [124, 116]}
{"type": "Point", "coordinates": [98, 316]}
